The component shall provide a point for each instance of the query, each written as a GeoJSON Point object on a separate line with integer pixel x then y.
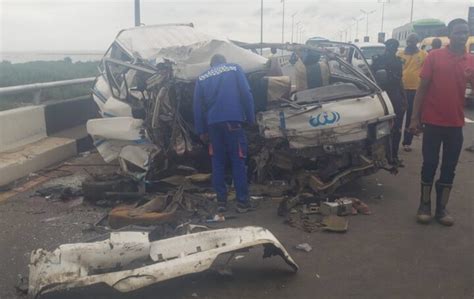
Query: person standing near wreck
{"type": "Point", "coordinates": [412, 59]}
{"type": "Point", "coordinates": [222, 104]}
{"type": "Point", "coordinates": [439, 107]}
{"type": "Point", "coordinates": [392, 64]}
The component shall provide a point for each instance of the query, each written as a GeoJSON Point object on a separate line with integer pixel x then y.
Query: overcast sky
{"type": "Point", "coordinates": [30, 25]}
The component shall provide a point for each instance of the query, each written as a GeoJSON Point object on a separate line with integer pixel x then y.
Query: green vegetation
{"type": "Point", "coordinates": [44, 71]}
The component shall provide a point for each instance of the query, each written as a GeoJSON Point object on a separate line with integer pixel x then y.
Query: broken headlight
{"type": "Point", "coordinates": [382, 129]}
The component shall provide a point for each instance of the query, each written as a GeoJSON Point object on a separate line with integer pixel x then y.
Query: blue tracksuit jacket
{"type": "Point", "coordinates": [222, 94]}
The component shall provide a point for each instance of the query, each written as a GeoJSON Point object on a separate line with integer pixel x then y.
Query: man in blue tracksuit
{"type": "Point", "coordinates": [222, 103]}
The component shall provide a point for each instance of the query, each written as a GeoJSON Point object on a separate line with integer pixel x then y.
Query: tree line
{"type": "Point", "coordinates": [12, 74]}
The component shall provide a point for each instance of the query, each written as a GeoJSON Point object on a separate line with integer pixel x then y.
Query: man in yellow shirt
{"type": "Point", "coordinates": [412, 59]}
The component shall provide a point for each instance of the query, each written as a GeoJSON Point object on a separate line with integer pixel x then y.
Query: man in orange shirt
{"type": "Point", "coordinates": [412, 59]}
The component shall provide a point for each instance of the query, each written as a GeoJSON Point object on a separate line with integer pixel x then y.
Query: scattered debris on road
{"type": "Point", "coordinates": [129, 260]}
{"type": "Point", "coordinates": [304, 247]}
{"type": "Point", "coordinates": [361, 207]}
{"type": "Point", "coordinates": [312, 136]}
{"type": "Point", "coordinates": [341, 207]}
{"type": "Point", "coordinates": [59, 192]}
{"type": "Point", "coordinates": [310, 213]}
{"type": "Point", "coordinates": [333, 223]}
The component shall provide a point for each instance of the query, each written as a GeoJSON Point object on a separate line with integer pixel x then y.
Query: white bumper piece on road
{"type": "Point", "coordinates": [112, 261]}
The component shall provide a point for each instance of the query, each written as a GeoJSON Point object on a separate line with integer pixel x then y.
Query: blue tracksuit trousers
{"type": "Point", "coordinates": [228, 143]}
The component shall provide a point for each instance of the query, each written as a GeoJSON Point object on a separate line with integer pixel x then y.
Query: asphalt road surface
{"type": "Point", "coordinates": [384, 255]}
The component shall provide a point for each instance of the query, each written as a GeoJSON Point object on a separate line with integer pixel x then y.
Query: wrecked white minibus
{"type": "Point", "coordinates": [321, 124]}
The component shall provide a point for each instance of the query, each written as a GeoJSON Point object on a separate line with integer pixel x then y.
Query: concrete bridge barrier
{"type": "Point", "coordinates": [21, 126]}
{"type": "Point", "coordinates": [36, 137]}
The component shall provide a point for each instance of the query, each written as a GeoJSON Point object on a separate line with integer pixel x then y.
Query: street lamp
{"type": "Point", "coordinates": [357, 26]}
{"type": "Point", "coordinates": [137, 13]}
{"type": "Point", "coordinates": [283, 24]}
{"type": "Point", "coordinates": [297, 31]}
{"type": "Point", "coordinates": [261, 26]}
{"type": "Point", "coordinates": [341, 35]}
{"type": "Point", "coordinates": [292, 25]}
{"type": "Point", "coordinates": [302, 32]}
{"type": "Point", "coordinates": [383, 12]}
{"type": "Point", "coordinates": [367, 13]}
{"type": "Point", "coordinates": [411, 13]}
{"type": "Point", "coordinates": [349, 29]}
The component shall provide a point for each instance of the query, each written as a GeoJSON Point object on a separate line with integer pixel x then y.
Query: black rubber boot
{"type": "Point", "coordinates": [423, 215]}
{"type": "Point", "coordinates": [442, 197]}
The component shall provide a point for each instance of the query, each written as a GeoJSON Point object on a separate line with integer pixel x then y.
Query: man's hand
{"type": "Point", "coordinates": [204, 138]}
{"type": "Point", "coordinates": [415, 126]}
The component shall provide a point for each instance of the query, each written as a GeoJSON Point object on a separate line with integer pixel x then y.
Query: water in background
{"type": "Point", "coordinates": [21, 57]}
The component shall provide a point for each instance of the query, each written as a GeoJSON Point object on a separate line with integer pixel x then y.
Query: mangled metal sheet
{"type": "Point", "coordinates": [114, 261]}
{"type": "Point", "coordinates": [190, 49]}
{"type": "Point", "coordinates": [124, 138]}
{"type": "Point", "coordinates": [328, 123]}
{"type": "Point", "coordinates": [146, 87]}
{"type": "Point", "coordinates": [147, 58]}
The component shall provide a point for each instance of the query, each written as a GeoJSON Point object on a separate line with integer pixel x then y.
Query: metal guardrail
{"type": "Point", "coordinates": [38, 87]}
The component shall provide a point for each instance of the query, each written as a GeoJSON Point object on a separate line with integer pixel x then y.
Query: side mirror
{"type": "Point", "coordinates": [381, 77]}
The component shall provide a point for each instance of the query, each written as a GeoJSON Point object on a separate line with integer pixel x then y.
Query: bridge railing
{"type": "Point", "coordinates": [38, 88]}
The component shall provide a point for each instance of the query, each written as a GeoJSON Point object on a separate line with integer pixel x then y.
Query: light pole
{"type": "Point", "coordinates": [349, 28]}
{"type": "Point", "coordinates": [357, 27]}
{"type": "Point", "coordinates": [383, 12]}
{"type": "Point", "coordinates": [367, 13]}
{"type": "Point", "coordinates": [292, 25]}
{"type": "Point", "coordinates": [137, 13]}
{"type": "Point", "coordinates": [297, 31]}
{"type": "Point", "coordinates": [261, 26]}
{"type": "Point", "coordinates": [411, 13]}
{"type": "Point", "coordinates": [283, 24]}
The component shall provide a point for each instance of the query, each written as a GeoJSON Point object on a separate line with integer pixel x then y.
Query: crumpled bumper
{"type": "Point", "coordinates": [112, 261]}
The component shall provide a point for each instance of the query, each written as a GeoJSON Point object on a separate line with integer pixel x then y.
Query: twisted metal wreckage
{"type": "Point", "coordinates": [128, 261]}
{"type": "Point", "coordinates": [319, 125]}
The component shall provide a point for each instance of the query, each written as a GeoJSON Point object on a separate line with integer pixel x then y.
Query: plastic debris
{"type": "Point", "coordinates": [216, 218]}
{"type": "Point", "coordinates": [85, 264]}
{"type": "Point", "coordinates": [304, 247]}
